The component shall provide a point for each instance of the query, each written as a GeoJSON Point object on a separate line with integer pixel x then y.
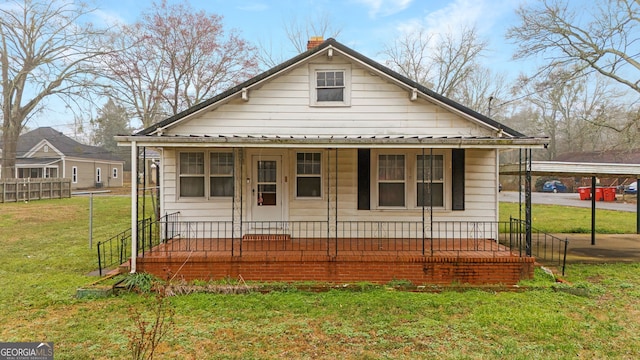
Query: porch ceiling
{"type": "Point", "coordinates": [274, 141]}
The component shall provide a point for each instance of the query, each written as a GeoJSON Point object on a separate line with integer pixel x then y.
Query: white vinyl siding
{"type": "Point", "coordinates": [282, 107]}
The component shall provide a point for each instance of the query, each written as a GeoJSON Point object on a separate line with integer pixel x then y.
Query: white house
{"type": "Point", "coordinates": [330, 144]}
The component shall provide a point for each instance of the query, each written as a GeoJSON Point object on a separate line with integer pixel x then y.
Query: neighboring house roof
{"type": "Point", "coordinates": [419, 90]}
{"type": "Point", "coordinates": [62, 145]}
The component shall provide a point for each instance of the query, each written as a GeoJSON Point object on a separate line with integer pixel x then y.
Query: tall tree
{"type": "Point", "coordinates": [298, 33]}
{"type": "Point", "coordinates": [601, 38]}
{"type": "Point", "coordinates": [448, 63]}
{"type": "Point", "coordinates": [46, 50]}
{"type": "Point", "coordinates": [176, 57]}
{"type": "Point", "coordinates": [112, 120]}
{"type": "Point", "coordinates": [573, 112]}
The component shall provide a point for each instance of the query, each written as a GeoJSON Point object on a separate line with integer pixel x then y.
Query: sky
{"type": "Point", "coordinates": [366, 26]}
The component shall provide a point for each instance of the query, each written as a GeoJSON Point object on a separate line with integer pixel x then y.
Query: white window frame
{"type": "Point", "coordinates": [319, 175]}
{"type": "Point", "coordinates": [411, 178]}
{"type": "Point", "coordinates": [203, 175]}
{"type": "Point", "coordinates": [74, 174]}
{"type": "Point", "coordinates": [314, 69]}
{"type": "Point", "coordinates": [98, 175]}
{"type": "Point", "coordinates": [115, 173]}
{"type": "Point", "coordinates": [206, 175]}
{"type": "Point", "coordinates": [211, 175]}
{"type": "Point", "coordinates": [377, 181]}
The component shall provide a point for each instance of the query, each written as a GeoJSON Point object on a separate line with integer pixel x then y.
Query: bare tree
{"type": "Point", "coordinates": [606, 42]}
{"type": "Point", "coordinates": [175, 57]}
{"type": "Point", "coordinates": [573, 112]}
{"type": "Point", "coordinates": [46, 50]}
{"type": "Point", "coordinates": [410, 56]}
{"type": "Point", "coordinates": [441, 62]}
{"type": "Point", "coordinates": [298, 32]}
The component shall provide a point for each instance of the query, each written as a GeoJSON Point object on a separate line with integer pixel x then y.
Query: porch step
{"type": "Point", "coordinates": [266, 237]}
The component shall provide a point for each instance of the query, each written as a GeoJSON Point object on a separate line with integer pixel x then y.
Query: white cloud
{"type": "Point", "coordinates": [384, 7]}
{"type": "Point", "coordinates": [109, 18]}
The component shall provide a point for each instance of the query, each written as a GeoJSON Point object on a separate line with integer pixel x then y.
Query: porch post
{"type": "Point", "coordinates": [527, 195]}
{"type": "Point", "coordinates": [134, 207]}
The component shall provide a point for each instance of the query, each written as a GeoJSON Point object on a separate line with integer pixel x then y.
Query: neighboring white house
{"type": "Point", "coordinates": [329, 135]}
{"type": "Point", "coordinates": [48, 153]}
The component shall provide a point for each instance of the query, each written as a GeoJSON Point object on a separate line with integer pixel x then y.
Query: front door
{"type": "Point", "coordinates": [266, 188]}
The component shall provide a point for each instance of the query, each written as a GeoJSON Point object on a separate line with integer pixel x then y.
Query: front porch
{"type": "Point", "coordinates": [442, 253]}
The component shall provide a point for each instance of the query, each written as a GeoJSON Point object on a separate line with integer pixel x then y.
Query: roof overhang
{"type": "Point", "coordinates": [29, 162]}
{"type": "Point", "coordinates": [333, 141]}
{"type": "Point", "coordinates": [558, 168]}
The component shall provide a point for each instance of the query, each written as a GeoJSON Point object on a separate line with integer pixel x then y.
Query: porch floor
{"type": "Point", "coordinates": [336, 247]}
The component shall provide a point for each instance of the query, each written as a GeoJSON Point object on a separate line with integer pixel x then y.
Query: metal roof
{"type": "Point", "coordinates": [560, 168]}
{"type": "Point", "coordinates": [332, 141]}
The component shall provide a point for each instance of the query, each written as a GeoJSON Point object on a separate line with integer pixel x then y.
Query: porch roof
{"type": "Point", "coordinates": [26, 162]}
{"type": "Point", "coordinates": [274, 141]}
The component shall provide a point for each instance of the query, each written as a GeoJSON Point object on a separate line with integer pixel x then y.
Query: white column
{"type": "Point", "coordinates": [134, 195]}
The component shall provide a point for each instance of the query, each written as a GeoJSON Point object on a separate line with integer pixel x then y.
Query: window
{"type": "Point", "coordinates": [196, 167]}
{"type": "Point", "coordinates": [330, 85]}
{"type": "Point", "coordinates": [192, 174]}
{"type": "Point", "coordinates": [221, 174]}
{"type": "Point", "coordinates": [115, 173]}
{"type": "Point", "coordinates": [391, 180]}
{"type": "Point", "coordinates": [46, 148]}
{"type": "Point", "coordinates": [308, 175]}
{"type": "Point", "coordinates": [74, 174]}
{"type": "Point", "coordinates": [430, 176]}
{"type": "Point", "coordinates": [98, 175]}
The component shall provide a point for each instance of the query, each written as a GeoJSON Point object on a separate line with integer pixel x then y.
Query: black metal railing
{"type": "Point", "coordinates": [117, 249]}
{"type": "Point", "coordinates": [169, 235]}
{"type": "Point", "coordinates": [546, 248]}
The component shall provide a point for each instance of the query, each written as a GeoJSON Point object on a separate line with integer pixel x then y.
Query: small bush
{"type": "Point", "coordinates": [141, 282]}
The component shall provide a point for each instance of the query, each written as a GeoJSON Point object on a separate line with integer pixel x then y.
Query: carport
{"type": "Point", "coordinates": [573, 169]}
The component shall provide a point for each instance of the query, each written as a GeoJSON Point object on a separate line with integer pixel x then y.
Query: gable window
{"type": "Point", "coordinates": [191, 174]}
{"type": "Point", "coordinates": [46, 148]}
{"type": "Point", "coordinates": [115, 173]}
{"type": "Point", "coordinates": [391, 180]}
{"type": "Point", "coordinates": [221, 174]}
{"type": "Point", "coordinates": [430, 180]}
{"type": "Point", "coordinates": [330, 85]}
{"type": "Point", "coordinates": [308, 175]}
{"type": "Point", "coordinates": [74, 174]}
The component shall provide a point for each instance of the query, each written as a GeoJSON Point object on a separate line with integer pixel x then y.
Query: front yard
{"type": "Point", "coordinates": [45, 257]}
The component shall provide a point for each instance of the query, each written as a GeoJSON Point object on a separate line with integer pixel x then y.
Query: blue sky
{"type": "Point", "coordinates": [367, 25]}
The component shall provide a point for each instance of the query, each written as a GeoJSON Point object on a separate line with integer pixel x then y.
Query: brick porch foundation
{"type": "Point", "coordinates": [507, 270]}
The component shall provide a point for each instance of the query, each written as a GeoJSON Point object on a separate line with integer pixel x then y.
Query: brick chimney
{"type": "Point", "coordinates": [314, 41]}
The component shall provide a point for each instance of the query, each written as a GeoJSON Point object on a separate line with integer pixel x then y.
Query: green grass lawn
{"type": "Point", "coordinates": [45, 257]}
{"type": "Point", "coordinates": [565, 219]}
